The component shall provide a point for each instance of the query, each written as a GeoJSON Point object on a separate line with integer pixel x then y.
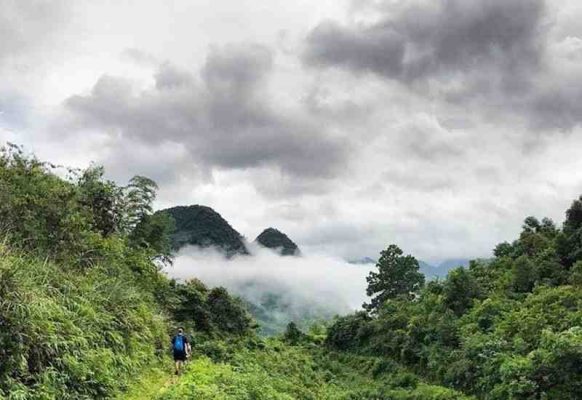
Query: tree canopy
{"type": "Point", "coordinates": [397, 275]}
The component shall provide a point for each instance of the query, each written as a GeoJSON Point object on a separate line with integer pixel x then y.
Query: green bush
{"type": "Point", "coordinates": [67, 334]}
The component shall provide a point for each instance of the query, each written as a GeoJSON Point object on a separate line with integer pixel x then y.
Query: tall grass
{"type": "Point", "coordinates": [275, 370]}
{"type": "Point", "coordinates": [72, 334]}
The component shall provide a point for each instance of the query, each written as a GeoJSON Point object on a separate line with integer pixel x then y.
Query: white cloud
{"type": "Point", "coordinates": [306, 282]}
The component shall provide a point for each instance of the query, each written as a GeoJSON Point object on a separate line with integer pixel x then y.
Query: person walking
{"type": "Point", "coordinates": [180, 349]}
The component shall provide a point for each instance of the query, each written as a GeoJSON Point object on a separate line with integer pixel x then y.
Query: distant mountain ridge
{"type": "Point", "coordinates": [362, 261]}
{"type": "Point", "coordinates": [442, 269]}
{"type": "Point", "coordinates": [430, 271]}
{"type": "Point", "coordinates": [272, 238]}
{"type": "Point", "coordinates": [201, 226]}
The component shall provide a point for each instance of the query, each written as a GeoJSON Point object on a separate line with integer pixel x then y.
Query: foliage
{"type": "Point", "coordinates": [460, 289]}
{"type": "Point", "coordinates": [349, 332]}
{"type": "Point", "coordinates": [71, 335]}
{"type": "Point", "coordinates": [211, 311]}
{"type": "Point", "coordinates": [151, 233]}
{"type": "Point", "coordinates": [272, 238]}
{"type": "Point", "coordinates": [203, 227]}
{"type": "Point", "coordinates": [508, 328]}
{"type": "Point", "coordinates": [81, 304]}
{"type": "Point", "coordinates": [228, 313]}
{"type": "Point", "coordinates": [67, 219]}
{"type": "Point", "coordinates": [293, 334]}
{"type": "Point", "coordinates": [271, 369]}
{"type": "Point", "coordinates": [397, 275]}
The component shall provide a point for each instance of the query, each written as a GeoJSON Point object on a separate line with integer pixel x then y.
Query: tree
{"type": "Point", "coordinates": [153, 233]}
{"type": "Point", "coordinates": [349, 332]}
{"type": "Point", "coordinates": [397, 276]}
{"type": "Point", "coordinates": [460, 289]}
{"type": "Point", "coordinates": [292, 333]}
{"type": "Point", "coordinates": [504, 249]}
{"type": "Point", "coordinates": [574, 216]}
{"type": "Point", "coordinates": [228, 313]}
{"type": "Point", "coordinates": [139, 197]}
{"type": "Point", "coordinates": [190, 307]}
{"type": "Point", "coordinates": [569, 242]}
{"type": "Point", "coordinates": [523, 275]}
{"type": "Point", "coordinates": [103, 198]}
{"type": "Point", "coordinates": [576, 274]}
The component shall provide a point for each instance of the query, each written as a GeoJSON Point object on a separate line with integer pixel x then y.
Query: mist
{"type": "Point", "coordinates": [308, 286]}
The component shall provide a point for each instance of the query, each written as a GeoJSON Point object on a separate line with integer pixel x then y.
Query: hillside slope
{"type": "Point", "coordinates": [272, 238]}
{"type": "Point", "coordinates": [201, 226]}
{"type": "Point", "coordinates": [84, 309]}
{"type": "Point", "coordinates": [509, 327]}
{"type": "Point", "coordinates": [283, 370]}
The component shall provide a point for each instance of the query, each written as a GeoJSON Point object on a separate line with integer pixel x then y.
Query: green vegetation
{"type": "Point", "coordinates": [273, 312]}
{"type": "Point", "coordinates": [85, 312]}
{"type": "Point", "coordinates": [272, 238]}
{"type": "Point", "coordinates": [275, 370]}
{"type": "Point", "coordinates": [84, 308]}
{"type": "Point", "coordinates": [211, 312]}
{"type": "Point", "coordinates": [508, 328]}
{"type": "Point", "coordinates": [202, 226]}
{"type": "Point", "coordinates": [397, 276]}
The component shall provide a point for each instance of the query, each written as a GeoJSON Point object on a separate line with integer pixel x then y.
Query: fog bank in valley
{"type": "Point", "coordinates": [309, 284]}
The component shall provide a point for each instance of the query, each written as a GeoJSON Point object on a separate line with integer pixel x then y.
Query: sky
{"type": "Point", "coordinates": [438, 125]}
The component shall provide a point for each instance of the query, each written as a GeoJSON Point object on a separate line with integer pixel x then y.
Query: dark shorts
{"type": "Point", "coordinates": [179, 356]}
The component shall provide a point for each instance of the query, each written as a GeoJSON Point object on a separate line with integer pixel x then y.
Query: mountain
{"type": "Point", "coordinates": [362, 261]}
{"type": "Point", "coordinates": [202, 226]}
{"type": "Point", "coordinates": [430, 271]}
{"type": "Point", "coordinates": [453, 263]}
{"type": "Point", "coordinates": [441, 270]}
{"type": "Point", "coordinates": [274, 239]}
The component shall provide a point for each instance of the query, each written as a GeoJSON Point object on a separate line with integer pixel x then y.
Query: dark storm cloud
{"type": "Point", "coordinates": [418, 40]}
{"type": "Point", "coordinates": [558, 107]}
{"type": "Point", "coordinates": [379, 49]}
{"type": "Point", "coordinates": [497, 54]}
{"type": "Point", "coordinates": [224, 119]}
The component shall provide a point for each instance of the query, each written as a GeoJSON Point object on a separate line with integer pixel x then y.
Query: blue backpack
{"type": "Point", "coordinates": [179, 343]}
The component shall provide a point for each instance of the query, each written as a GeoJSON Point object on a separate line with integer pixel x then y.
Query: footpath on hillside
{"type": "Point", "coordinates": [273, 369]}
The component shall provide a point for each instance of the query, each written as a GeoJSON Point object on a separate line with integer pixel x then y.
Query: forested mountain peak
{"type": "Point", "coordinates": [275, 239]}
{"type": "Point", "coordinates": [201, 226]}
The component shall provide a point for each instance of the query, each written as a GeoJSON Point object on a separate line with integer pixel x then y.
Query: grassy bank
{"type": "Point", "coordinates": [275, 370]}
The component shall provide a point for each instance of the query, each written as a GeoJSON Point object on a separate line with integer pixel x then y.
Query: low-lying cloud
{"type": "Point", "coordinates": [314, 284]}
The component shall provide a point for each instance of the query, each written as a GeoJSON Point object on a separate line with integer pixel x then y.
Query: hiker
{"type": "Point", "coordinates": [181, 349]}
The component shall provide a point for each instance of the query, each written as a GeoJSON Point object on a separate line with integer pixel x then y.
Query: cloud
{"type": "Point", "coordinates": [308, 283]}
{"type": "Point", "coordinates": [419, 39]}
{"type": "Point", "coordinates": [502, 57]}
{"type": "Point", "coordinates": [223, 120]}
{"type": "Point", "coordinates": [378, 50]}
{"type": "Point", "coordinates": [26, 25]}
{"type": "Point", "coordinates": [558, 104]}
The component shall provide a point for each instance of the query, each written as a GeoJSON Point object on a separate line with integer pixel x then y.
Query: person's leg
{"type": "Point", "coordinates": [177, 364]}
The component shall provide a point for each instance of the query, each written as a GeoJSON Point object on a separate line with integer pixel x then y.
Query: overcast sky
{"type": "Point", "coordinates": [437, 125]}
